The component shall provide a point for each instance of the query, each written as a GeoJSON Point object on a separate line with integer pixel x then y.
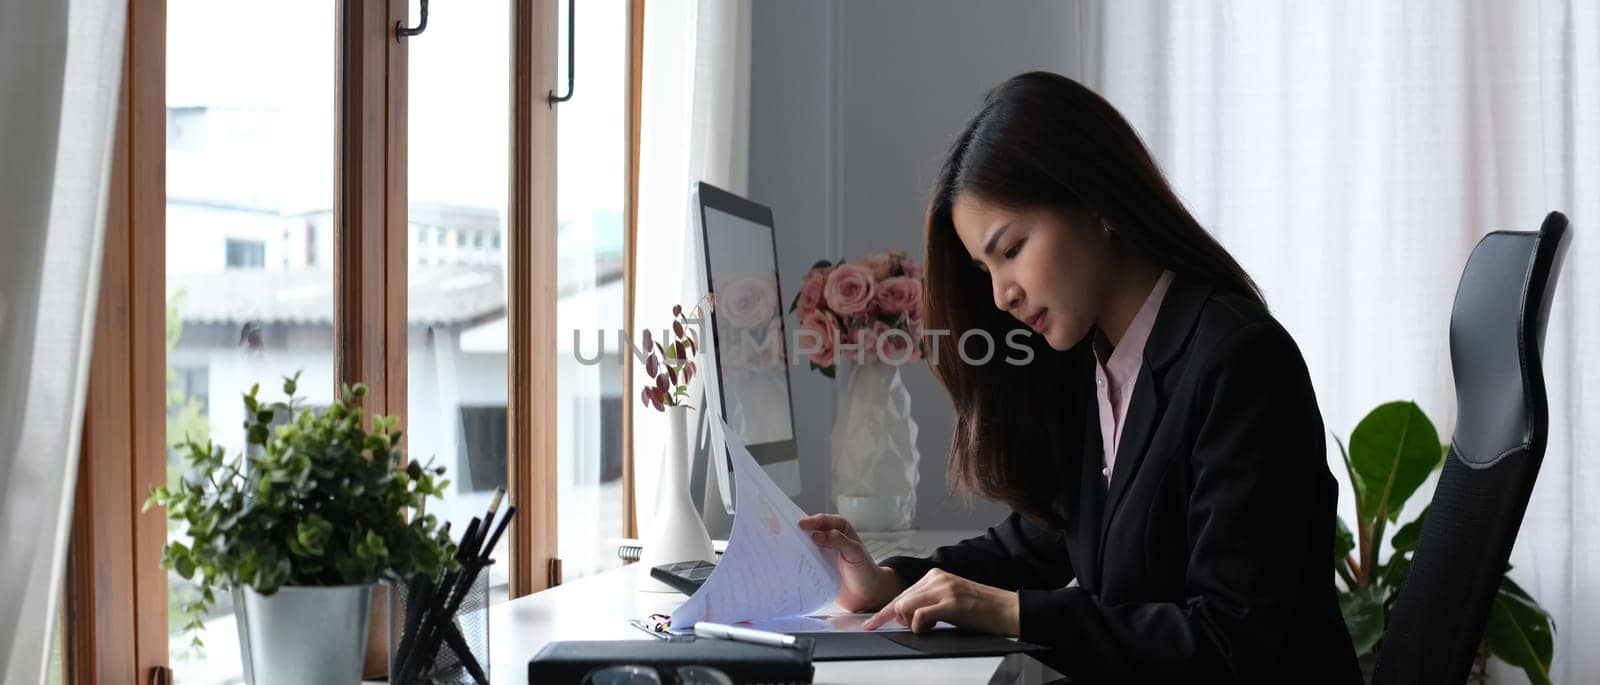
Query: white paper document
{"type": "Point", "coordinates": [771, 569]}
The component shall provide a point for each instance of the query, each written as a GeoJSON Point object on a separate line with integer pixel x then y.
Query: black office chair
{"type": "Point", "coordinates": [1502, 423]}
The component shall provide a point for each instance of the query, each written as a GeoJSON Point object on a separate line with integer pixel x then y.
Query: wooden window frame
{"type": "Point", "coordinates": [116, 629]}
{"type": "Point", "coordinates": [117, 624]}
{"type": "Point", "coordinates": [369, 209]}
{"type": "Point", "coordinates": [630, 264]}
{"type": "Point", "coordinates": [531, 306]}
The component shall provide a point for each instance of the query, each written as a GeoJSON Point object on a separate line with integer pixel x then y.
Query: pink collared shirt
{"type": "Point", "coordinates": [1114, 378]}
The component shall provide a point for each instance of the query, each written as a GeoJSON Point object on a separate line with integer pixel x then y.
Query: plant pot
{"type": "Point", "coordinates": [307, 635]}
{"type": "Point", "coordinates": [676, 532]}
{"type": "Point", "coordinates": [874, 450]}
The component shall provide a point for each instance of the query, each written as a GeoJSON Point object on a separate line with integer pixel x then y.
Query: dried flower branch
{"type": "Point", "coordinates": [671, 365]}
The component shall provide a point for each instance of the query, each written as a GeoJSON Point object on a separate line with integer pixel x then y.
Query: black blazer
{"type": "Point", "coordinates": [1210, 556]}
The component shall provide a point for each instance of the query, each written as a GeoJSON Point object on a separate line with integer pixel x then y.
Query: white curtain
{"type": "Point", "coordinates": [1350, 155]}
{"type": "Point", "coordinates": [695, 127]}
{"type": "Point", "coordinates": [59, 74]}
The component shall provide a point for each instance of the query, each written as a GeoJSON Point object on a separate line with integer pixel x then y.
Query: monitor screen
{"type": "Point", "coordinates": [747, 330]}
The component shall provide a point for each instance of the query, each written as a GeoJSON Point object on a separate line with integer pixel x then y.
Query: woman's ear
{"type": "Point", "coordinates": [1093, 224]}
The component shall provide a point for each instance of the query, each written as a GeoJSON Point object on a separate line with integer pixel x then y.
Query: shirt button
{"type": "Point", "coordinates": [1106, 472]}
{"type": "Point", "coordinates": [1100, 382]}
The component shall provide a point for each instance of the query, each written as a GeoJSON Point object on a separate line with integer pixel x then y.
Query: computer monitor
{"type": "Point", "coordinates": [747, 383]}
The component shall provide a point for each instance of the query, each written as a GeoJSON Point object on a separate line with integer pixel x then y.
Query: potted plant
{"type": "Point", "coordinates": [300, 528]}
{"type": "Point", "coordinates": [675, 533]}
{"type": "Point", "coordinates": [868, 311]}
{"type": "Point", "coordinates": [1392, 451]}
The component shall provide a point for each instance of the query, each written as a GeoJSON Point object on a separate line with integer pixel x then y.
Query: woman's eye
{"type": "Point", "coordinates": [1014, 249]}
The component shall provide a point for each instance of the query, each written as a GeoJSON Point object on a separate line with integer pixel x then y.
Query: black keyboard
{"type": "Point", "coordinates": [683, 576]}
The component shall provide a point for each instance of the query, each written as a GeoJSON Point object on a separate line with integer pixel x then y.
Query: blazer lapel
{"type": "Point", "coordinates": [1170, 334]}
{"type": "Point", "coordinates": [1091, 505]}
{"type": "Point", "coordinates": [1143, 409]}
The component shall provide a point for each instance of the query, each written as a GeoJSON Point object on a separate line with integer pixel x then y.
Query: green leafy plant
{"type": "Point", "coordinates": [1392, 451]}
{"type": "Point", "coordinates": [316, 501]}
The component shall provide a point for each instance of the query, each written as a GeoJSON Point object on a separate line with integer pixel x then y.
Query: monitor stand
{"type": "Point", "coordinates": [704, 487]}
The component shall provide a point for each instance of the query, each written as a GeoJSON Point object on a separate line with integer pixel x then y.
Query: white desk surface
{"type": "Point", "coordinates": [596, 608]}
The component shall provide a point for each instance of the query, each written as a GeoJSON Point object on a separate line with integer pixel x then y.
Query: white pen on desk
{"type": "Point", "coordinates": [726, 632]}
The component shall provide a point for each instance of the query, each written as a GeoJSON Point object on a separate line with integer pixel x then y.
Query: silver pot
{"type": "Point", "coordinates": [305, 635]}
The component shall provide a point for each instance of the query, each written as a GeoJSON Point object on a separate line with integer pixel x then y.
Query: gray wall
{"type": "Point", "coordinates": [852, 105]}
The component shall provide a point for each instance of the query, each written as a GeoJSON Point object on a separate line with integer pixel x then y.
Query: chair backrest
{"type": "Point", "coordinates": [1496, 338]}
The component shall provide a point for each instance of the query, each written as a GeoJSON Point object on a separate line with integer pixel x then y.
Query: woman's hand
{"type": "Point", "coordinates": [863, 585]}
{"type": "Point", "coordinates": [943, 596]}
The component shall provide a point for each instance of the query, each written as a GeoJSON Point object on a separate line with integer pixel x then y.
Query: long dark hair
{"type": "Point", "coordinates": [1042, 140]}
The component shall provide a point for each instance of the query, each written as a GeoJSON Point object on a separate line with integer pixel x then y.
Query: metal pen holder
{"type": "Point", "coordinates": [426, 632]}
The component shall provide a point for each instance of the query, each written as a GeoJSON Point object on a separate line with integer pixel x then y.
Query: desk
{"type": "Point", "coordinates": [595, 608]}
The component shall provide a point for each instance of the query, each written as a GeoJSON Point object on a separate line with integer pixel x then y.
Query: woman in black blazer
{"type": "Point", "coordinates": [1201, 544]}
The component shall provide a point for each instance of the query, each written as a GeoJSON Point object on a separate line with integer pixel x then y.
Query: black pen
{"type": "Point", "coordinates": [419, 592]}
{"type": "Point", "coordinates": [466, 577]}
{"type": "Point", "coordinates": [430, 617]}
{"type": "Point", "coordinates": [461, 583]}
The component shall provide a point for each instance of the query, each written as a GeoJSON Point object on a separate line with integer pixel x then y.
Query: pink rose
{"type": "Point", "coordinates": [900, 295]}
{"type": "Point", "coordinates": [880, 265]}
{"type": "Point", "coordinates": [897, 346]}
{"type": "Point", "coordinates": [850, 290]}
{"type": "Point", "coordinates": [748, 302]}
{"type": "Point", "coordinates": [811, 292]}
{"type": "Point", "coordinates": [820, 332]}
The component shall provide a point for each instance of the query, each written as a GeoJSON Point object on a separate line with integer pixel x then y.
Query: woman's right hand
{"type": "Point", "coordinates": [863, 585]}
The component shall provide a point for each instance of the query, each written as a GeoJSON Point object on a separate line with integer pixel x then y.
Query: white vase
{"type": "Point", "coordinates": [874, 449]}
{"type": "Point", "coordinates": [675, 533]}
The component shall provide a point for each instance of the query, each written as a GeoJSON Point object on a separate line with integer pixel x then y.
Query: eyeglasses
{"type": "Point", "coordinates": [636, 674]}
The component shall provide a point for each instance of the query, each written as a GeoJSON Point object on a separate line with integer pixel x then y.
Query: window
{"type": "Point", "coordinates": [589, 251]}
{"type": "Point", "coordinates": [262, 171]}
{"type": "Point", "coordinates": [245, 254]}
{"type": "Point", "coordinates": [249, 129]}
{"type": "Point", "coordinates": [457, 335]}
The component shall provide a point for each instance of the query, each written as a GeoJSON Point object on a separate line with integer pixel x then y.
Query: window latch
{"type": "Point", "coordinates": [572, 39]}
{"type": "Point", "coordinates": [400, 30]}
